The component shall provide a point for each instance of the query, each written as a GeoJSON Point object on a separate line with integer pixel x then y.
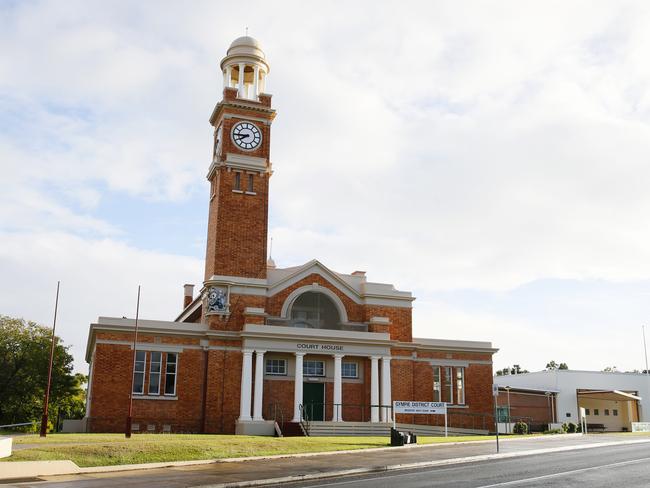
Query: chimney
{"type": "Point", "coordinates": [188, 295]}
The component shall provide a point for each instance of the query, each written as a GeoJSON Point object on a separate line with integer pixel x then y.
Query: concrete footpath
{"type": "Point", "coordinates": [282, 469]}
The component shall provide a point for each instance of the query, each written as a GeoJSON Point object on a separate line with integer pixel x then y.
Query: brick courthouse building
{"type": "Point", "coordinates": [260, 344]}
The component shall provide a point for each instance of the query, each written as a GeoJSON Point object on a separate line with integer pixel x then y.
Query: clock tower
{"type": "Point", "coordinates": [239, 176]}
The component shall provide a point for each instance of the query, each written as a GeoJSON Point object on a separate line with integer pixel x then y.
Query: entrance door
{"type": "Point", "coordinates": [313, 400]}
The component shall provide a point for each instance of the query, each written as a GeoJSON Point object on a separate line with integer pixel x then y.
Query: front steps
{"type": "Point", "coordinates": [325, 429]}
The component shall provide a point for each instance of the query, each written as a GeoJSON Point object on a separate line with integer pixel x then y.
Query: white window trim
{"type": "Point", "coordinates": [460, 391]}
{"type": "Point", "coordinates": [151, 363]}
{"type": "Point", "coordinates": [356, 370]}
{"type": "Point", "coordinates": [266, 371]}
{"type": "Point", "coordinates": [437, 392]}
{"type": "Point", "coordinates": [175, 374]}
{"type": "Point", "coordinates": [304, 364]}
{"type": "Point", "coordinates": [144, 372]}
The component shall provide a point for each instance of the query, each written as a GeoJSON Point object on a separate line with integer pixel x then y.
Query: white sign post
{"type": "Point", "coordinates": [420, 408]}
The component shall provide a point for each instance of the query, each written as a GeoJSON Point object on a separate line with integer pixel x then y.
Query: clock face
{"type": "Point", "coordinates": [246, 135]}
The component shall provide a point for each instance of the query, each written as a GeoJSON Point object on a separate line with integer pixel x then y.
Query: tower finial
{"type": "Point", "coordinates": [246, 31]}
{"type": "Point", "coordinates": [271, 250]}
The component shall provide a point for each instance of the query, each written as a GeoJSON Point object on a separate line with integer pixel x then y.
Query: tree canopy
{"type": "Point", "coordinates": [24, 363]}
{"type": "Point", "coordinates": [552, 365]}
{"type": "Point", "coordinates": [514, 369]}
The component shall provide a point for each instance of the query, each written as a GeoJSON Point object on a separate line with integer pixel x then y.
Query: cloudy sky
{"type": "Point", "coordinates": [491, 157]}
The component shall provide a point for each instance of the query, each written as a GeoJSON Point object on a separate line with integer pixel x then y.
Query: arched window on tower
{"type": "Point", "coordinates": [314, 310]}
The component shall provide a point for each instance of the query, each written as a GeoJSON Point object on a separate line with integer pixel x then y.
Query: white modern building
{"type": "Point", "coordinates": [612, 400]}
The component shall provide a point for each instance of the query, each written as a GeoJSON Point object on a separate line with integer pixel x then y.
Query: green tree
{"type": "Point", "coordinates": [514, 369]}
{"type": "Point", "coordinates": [24, 362]}
{"type": "Point", "coordinates": [552, 365]}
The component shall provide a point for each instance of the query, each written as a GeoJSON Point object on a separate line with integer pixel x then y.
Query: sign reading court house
{"type": "Point", "coordinates": [430, 408]}
{"type": "Point", "coordinates": [319, 347]}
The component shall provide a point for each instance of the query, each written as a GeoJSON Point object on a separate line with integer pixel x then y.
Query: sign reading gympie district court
{"type": "Point", "coordinates": [426, 408]}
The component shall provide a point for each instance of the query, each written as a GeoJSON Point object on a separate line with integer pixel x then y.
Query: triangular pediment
{"type": "Point", "coordinates": [281, 279]}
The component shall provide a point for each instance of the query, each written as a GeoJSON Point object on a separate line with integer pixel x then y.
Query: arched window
{"type": "Point", "coordinates": [314, 310]}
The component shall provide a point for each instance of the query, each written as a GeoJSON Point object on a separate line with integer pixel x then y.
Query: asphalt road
{"type": "Point", "coordinates": [626, 466]}
{"type": "Point", "coordinates": [585, 462]}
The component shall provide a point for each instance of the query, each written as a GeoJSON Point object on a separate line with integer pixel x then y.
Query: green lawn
{"type": "Point", "coordinates": [111, 449]}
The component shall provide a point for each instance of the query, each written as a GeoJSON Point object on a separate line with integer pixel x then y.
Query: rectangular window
{"type": "Point", "coordinates": [586, 411]}
{"type": "Point", "coordinates": [250, 183]}
{"type": "Point", "coordinates": [313, 368]}
{"type": "Point", "coordinates": [349, 370]}
{"type": "Point", "coordinates": [615, 413]}
{"type": "Point", "coordinates": [237, 184]}
{"type": "Point", "coordinates": [138, 372]}
{"type": "Point", "coordinates": [170, 373]}
{"type": "Point", "coordinates": [436, 384]}
{"type": "Point", "coordinates": [460, 386]}
{"type": "Point", "coordinates": [155, 368]}
{"type": "Point", "coordinates": [607, 411]}
{"type": "Point", "coordinates": [595, 411]}
{"type": "Point", "coordinates": [449, 386]}
{"type": "Point", "coordinates": [276, 367]}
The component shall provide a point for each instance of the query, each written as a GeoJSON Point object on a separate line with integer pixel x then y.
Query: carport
{"type": "Point", "coordinates": [609, 410]}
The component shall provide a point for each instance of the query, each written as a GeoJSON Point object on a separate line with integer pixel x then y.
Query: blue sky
{"type": "Point", "coordinates": [491, 158]}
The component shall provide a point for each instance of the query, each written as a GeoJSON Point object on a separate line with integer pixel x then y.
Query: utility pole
{"type": "Point", "coordinates": [645, 349]}
{"type": "Point", "coordinates": [46, 401]}
{"type": "Point", "coordinates": [129, 418]}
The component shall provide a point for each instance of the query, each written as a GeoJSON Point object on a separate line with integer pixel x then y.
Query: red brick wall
{"type": "Point", "coordinates": [238, 222]}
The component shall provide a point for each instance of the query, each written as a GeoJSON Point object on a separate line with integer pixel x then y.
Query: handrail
{"type": "Point", "coordinates": [304, 420]}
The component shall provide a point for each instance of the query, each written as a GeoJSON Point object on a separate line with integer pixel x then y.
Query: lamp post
{"type": "Point", "coordinates": [508, 392]}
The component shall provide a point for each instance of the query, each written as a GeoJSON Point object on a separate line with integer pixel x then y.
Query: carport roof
{"type": "Point", "coordinates": [615, 395]}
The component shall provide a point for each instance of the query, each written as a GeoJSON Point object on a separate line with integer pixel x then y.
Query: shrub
{"type": "Point", "coordinates": [554, 431]}
{"type": "Point", "coordinates": [520, 428]}
{"type": "Point", "coordinates": [569, 428]}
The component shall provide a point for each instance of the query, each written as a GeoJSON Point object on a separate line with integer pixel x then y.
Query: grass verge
{"type": "Point", "coordinates": [111, 449]}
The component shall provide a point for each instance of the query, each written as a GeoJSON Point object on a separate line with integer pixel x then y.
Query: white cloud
{"type": "Point", "coordinates": [442, 146]}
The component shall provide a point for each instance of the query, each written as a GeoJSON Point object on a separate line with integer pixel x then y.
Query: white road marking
{"type": "Point", "coordinates": [505, 483]}
{"type": "Point", "coordinates": [564, 473]}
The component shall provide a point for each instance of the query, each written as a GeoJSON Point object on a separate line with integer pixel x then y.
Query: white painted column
{"type": "Point", "coordinates": [256, 81]}
{"type": "Point", "coordinates": [259, 385]}
{"type": "Point", "coordinates": [263, 82]}
{"type": "Point", "coordinates": [385, 390]}
{"type": "Point", "coordinates": [228, 76]}
{"type": "Point", "coordinates": [337, 410]}
{"type": "Point", "coordinates": [240, 84]}
{"type": "Point", "coordinates": [246, 378]}
{"type": "Point", "coordinates": [374, 388]}
{"type": "Point", "coordinates": [297, 387]}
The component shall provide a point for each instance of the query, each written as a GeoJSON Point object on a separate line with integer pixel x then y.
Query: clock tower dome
{"type": "Point", "coordinates": [239, 175]}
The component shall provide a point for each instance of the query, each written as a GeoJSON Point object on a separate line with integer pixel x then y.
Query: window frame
{"type": "Point", "coordinates": [236, 185]}
{"type": "Point", "coordinates": [437, 391]}
{"type": "Point", "coordinates": [313, 361]}
{"type": "Point", "coordinates": [136, 371]}
{"type": "Point", "coordinates": [356, 370]}
{"type": "Point", "coordinates": [449, 383]}
{"type": "Point", "coordinates": [250, 186]}
{"type": "Point", "coordinates": [279, 361]}
{"type": "Point", "coordinates": [151, 372]}
{"type": "Point", "coordinates": [460, 385]}
{"type": "Point", "coordinates": [174, 374]}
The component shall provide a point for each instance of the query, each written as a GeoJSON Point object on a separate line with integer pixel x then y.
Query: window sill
{"type": "Point", "coordinates": [457, 406]}
{"type": "Point", "coordinates": [237, 191]}
{"type": "Point", "coordinates": [155, 397]}
{"type": "Point", "coordinates": [250, 193]}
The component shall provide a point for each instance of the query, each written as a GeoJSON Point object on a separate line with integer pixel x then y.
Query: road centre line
{"type": "Point", "coordinates": [564, 473]}
{"type": "Point", "coordinates": [506, 483]}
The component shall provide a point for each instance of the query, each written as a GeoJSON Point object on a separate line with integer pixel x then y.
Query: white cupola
{"type": "Point", "coordinates": [245, 68]}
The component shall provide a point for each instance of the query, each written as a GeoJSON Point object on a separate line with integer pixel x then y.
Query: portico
{"type": "Point", "coordinates": [331, 362]}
